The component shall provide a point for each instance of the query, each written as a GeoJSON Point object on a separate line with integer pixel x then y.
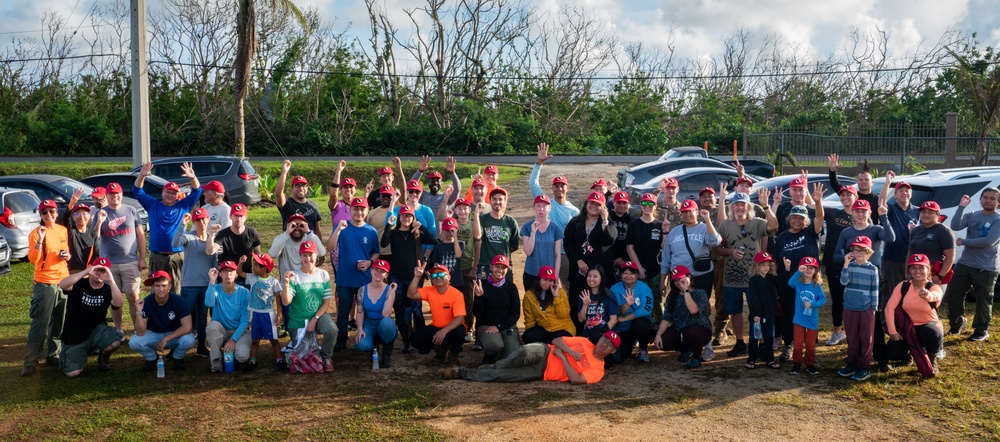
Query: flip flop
{"type": "Point", "coordinates": [774, 364]}
{"type": "Point", "coordinates": [750, 365]}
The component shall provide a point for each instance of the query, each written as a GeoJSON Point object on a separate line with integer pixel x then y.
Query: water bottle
{"type": "Point", "coordinates": [227, 362]}
{"type": "Point", "coordinates": [756, 331]}
{"type": "Point", "coordinates": [159, 368]}
{"type": "Point", "coordinates": [374, 360]}
{"type": "Point", "coordinates": [806, 311]}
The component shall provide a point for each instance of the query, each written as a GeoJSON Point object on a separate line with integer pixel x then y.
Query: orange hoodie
{"type": "Point", "coordinates": [49, 268]}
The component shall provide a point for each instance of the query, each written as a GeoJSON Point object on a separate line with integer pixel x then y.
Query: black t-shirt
{"type": "Point", "coordinates": [86, 308]}
{"type": "Point", "coordinates": [646, 238]}
{"type": "Point", "coordinates": [784, 209]}
{"type": "Point", "coordinates": [931, 242]}
{"type": "Point", "coordinates": [621, 223]}
{"type": "Point", "coordinates": [374, 198]}
{"type": "Point", "coordinates": [836, 221]}
{"type": "Point", "coordinates": [795, 246]}
{"type": "Point", "coordinates": [236, 245]}
{"type": "Point", "coordinates": [83, 248]}
{"type": "Point", "coordinates": [308, 209]}
{"type": "Point", "coordinates": [405, 251]}
{"type": "Point", "coordinates": [444, 253]}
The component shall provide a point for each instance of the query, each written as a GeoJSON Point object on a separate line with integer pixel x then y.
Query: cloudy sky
{"type": "Point", "coordinates": [696, 28]}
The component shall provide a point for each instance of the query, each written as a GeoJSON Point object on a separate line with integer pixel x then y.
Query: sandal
{"type": "Point", "coordinates": [774, 364]}
{"type": "Point", "coordinates": [750, 365]}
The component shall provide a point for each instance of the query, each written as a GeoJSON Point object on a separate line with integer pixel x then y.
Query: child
{"type": "Point", "coordinates": [264, 319]}
{"type": "Point", "coordinates": [762, 297]}
{"type": "Point", "coordinates": [860, 281]}
{"type": "Point", "coordinates": [449, 251]}
{"type": "Point", "coordinates": [809, 297]}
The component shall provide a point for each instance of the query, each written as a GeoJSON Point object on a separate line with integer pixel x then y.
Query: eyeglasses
{"type": "Point", "coordinates": [647, 204]}
{"type": "Point", "coordinates": [438, 275]}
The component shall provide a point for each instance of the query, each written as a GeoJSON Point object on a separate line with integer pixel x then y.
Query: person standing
{"type": "Point", "coordinates": [587, 240]}
{"type": "Point", "coordinates": [194, 280]}
{"type": "Point", "coordinates": [83, 236]}
{"type": "Point", "coordinates": [236, 241]}
{"type": "Point", "coordinates": [435, 197]}
{"type": "Point", "coordinates": [977, 268]}
{"type": "Point", "coordinates": [562, 211]}
{"type": "Point", "coordinates": [499, 230]}
{"type": "Point", "coordinates": [164, 217]}
{"type": "Point", "coordinates": [542, 241]}
{"type": "Point", "coordinates": [48, 250]}
{"type": "Point", "coordinates": [215, 204]}
{"type": "Point", "coordinates": [298, 203]}
{"type": "Point", "coordinates": [667, 204]}
{"type": "Point", "coordinates": [836, 221]}
{"type": "Point", "coordinates": [359, 248]}
{"type": "Point", "coordinates": [123, 241]}
{"type": "Point", "coordinates": [643, 243]}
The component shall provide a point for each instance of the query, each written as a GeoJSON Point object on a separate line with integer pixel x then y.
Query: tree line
{"type": "Point", "coordinates": [461, 77]}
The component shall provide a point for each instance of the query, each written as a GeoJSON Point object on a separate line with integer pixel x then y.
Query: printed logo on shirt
{"type": "Point", "coordinates": [90, 300]}
{"type": "Point", "coordinates": [171, 316]}
{"type": "Point", "coordinates": [496, 234]}
{"type": "Point", "coordinates": [114, 229]}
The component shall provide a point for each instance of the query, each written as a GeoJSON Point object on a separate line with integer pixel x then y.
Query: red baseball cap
{"type": "Point", "coordinates": [861, 205]}
{"type": "Point", "coordinates": [762, 257]}
{"type": "Point", "coordinates": [359, 202]}
{"type": "Point", "coordinates": [501, 259]}
{"type": "Point", "coordinates": [99, 192]}
{"type": "Point", "coordinates": [215, 186]}
{"type": "Point", "coordinates": [862, 241]}
{"type": "Point", "coordinates": [620, 196]}
{"type": "Point", "coordinates": [648, 197]}
{"type": "Point", "coordinates": [449, 224]}
{"type": "Point", "coordinates": [670, 182]}
{"type": "Point", "coordinates": [560, 180]}
{"type": "Point", "coordinates": [597, 197]}
{"type": "Point", "coordinates": [307, 247]}
{"type": "Point", "coordinates": [742, 180]}
{"type": "Point", "coordinates": [47, 204]}
{"type": "Point", "coordinates": [405, 209]}
{"type": "Point", "coordinates": [348, 182]}
{"type": "Point", "coordinates": [101, 261]}
{"type": "Point", "coordinates": [299, 180]}
{"type": "Point", "coordinates": [850, 189]}
{"type": "Point", "coordinates": [440, 268]}
{"type": "Point", "coordinates": [542, 199]}
{"type": "Point", "coordinates": [462, 202]}
{"type": "Point", "coordinates": [613, 337]}
{"type": "Point", "coordinates": [902, 184]}
{"type": "Point", "coordinates": [498, 190]}
{"type": "Point", "coordinates": [238, 209]}
{"type": "Point", "coordinates": [434, 175]}
{"type": "Point", "coordinates": [414, 185]}
{"type": "Point", "coordinates": [385, 170]}
{"type": "Point", "coordinates": [707, 189]}
{"type": "Point", "coordinates": [599, 182]}
{"type": "Point", "coordinates": [295, 216]}
{"type": "Point", "coordinates": [689, 205]}
{"type": "Point", "coordinates": [930, 205]}
{"type": "Point", "coordinates": [80, 206]}
{"type": "Point", "coordinates": [798, 182]}
{"type": "Point", "coordinates": [114, 188]}
{"type": "Point", "coordinates": [629, 265]}
{"type": "Point", "coordinates": [199, 213]}
{"type": "Point", "coordinates": [490, 169]}
{"type": "Point", "coordinates": [478, 182]}
{"type": "Point", "coordinates": [679, 272]}
{"type": "Point", "coordinates": [386, 190]}
{"type": "Point", "coordinates": [547, 272]}
{"type": "Point", "coordinates": [918, 259]}
{"type": "Point", "coordinates": [159, 274]}
{"type": "Point", "coordinates": [381, 264]}
{"type": "Point", "coordinates": [809, 261]}
{"type": "Point", "coordinates": [264, 260]}
{"type": "Point", "coordinates": [224, 265]}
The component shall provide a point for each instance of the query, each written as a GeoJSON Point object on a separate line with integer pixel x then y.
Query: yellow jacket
{"type": "Point", "coordinates": [49, 268]}
{"type": "Point", "coordinates": [556, 317]}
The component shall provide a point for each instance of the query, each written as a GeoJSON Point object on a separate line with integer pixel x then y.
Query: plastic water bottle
{"type": "Point", "coordinates": [159, 368]}
{"type": "Point", "coordinates": [806, 311]}
{"type": "Point", "coordinates": [374, 360]}
{"type": "Point", "coordinates": [756, 330]}
{"type": "Point", "coordinates": [227, 362]}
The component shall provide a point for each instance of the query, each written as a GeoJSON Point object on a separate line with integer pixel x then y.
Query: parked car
{"type": "Point", "coordinates": [60, 189]}
{"type": "Point", "coordinates": [685, 157]}
{"type": "Point", "coordinates": [153, 185]}
{"type": "Point", "coordinates": [4, 256]}
{"type": "Point", "coordinates": [784, 180]}
{"type": "Point", "coordinates": [691, 181]}
{"type": "Point", "coordinates": [18, 217]}
{"type": "Point", "coordinates": [236, 174]}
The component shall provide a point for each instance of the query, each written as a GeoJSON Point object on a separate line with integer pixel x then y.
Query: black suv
{"type": "Point", "coordinates": [236, 174]}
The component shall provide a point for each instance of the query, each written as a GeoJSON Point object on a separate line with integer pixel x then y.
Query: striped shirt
{"type": "Point", "coordinates": [860, 283]}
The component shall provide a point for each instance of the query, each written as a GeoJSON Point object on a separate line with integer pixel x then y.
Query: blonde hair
{"type": "Point", "coordinates": [816, 279]}
{"type": "Point", "coordinates": [755, 268]}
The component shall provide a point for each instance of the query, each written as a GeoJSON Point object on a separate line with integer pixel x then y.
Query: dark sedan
{"type": "Point", "coordinates": [153, 185]}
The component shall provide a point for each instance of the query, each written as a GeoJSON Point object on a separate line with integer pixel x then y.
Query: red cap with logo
{"type": "Point", "coordinates": [918, 259]}
{"type": "Point", "coordinates": [679, 272]}
{"type": "Point", "coordinates": [708, 190]}
{"type": "Point", "coordinates": [414, 185]}
{"type": "Point", "coordinates": [114, 188]}
{"type": "Point", "coordinates": [381, 264]}
{"type": "Point", "coordinates": [462, 202]}
{"type": "Point", "coordinates": [227, 265]}
{"type": "Point", "coordinates": [47, 204]}
{"type": "Point", "coordinates": [490, 169]}
{"type": "Point", "coordinates": [597, 197]}
{"type": "Point", "coordinates": [159, 274]}
{"type": "Point", "coordinates": [264, 260]}
{"type": "Point", "coordinates": [405, 209]}
{"type": "Point", "coordinates": [744, 180]}
{"type": "Point", "coordinates": [762, 257]}
{"type": "Point", "coordinates": [613, 337]}
{"type": "Point", "coordinates": [648, 197]}
{"type": "Point", "coordinates": [547, 272]}
{"type": "Point", "coordinates": [296, 216]}
{"type": "Point", "coordinates": [862, 241]}
{"type": "Point", "coordinates": [930, 205]}
{"type": "Point", "coordinates": [808, 261]}
{"type": "Point", "coordinates": [238, 209]}
{"type": "Point", "coordinates": [386, 190]}
{"type": "Point", "coordinates": [620, 196]}
{"type": "Point", "coordinates": [199, 213]}
{"type": "Point", "coordinates": [215, 186]}
{"type": "Point", "coordinates": [307, 247]}
{"type": "Point", "coordinates": [385, 170]}
{"type": "Point", "coordinates": [629, 265]}
{"type": "Point", "coordinates": [542, 199]}
{"type": "Point", "coordinates": [101, 261]}
{"type": "Point", "coordinates": [479, 182]}
{"type": "Point", "coordinates": [359, 202]}
{"type": "Point", "coordinates": [348, 182]}
{"type": "Point", "coordinates": [440, 268]}
{"type": "Point", "coordinates": [670, 182]}
{"type": "Point", "coordinates": [434, 175]}
{"type": "Point", "coordinates": [560, 180]}
{"type": "Point", "coordinates": [501, 260]}
{"type": "Point", "coordinates": [498, 190]}
{"type": "Point", "coordinates": [861, 205]}
{"type": "Point", "coordinates": [80, 206]}
{"type": "Point", "coordinates": [850, 189]}
{"type": "Point", "coordinates": [299, 180]}
{"type": "Point", "coordinates": [449, 224]}
{"type": "Point", "coordinates": [600, 182]}
{"type": "Point", "coordinates": [99, 192]}
{"type": "Point", "coordinates": [689, 205]}
{"type": "Point", "coordinates": [799, 182]}
{"type": "Point", "coordinates": [903, 184]}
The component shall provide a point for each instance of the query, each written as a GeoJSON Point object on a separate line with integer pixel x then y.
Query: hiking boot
{"type": "Point", "coordinates": [149, 366]}
{"type": "Point", "coordinates": [796, 369]}
{"type": "Point", "coordinates": [28, 370]}
{"type": "Point", "coordinates": [811, 369]}
{"type": "Point", "coordinates": [643, 356]}
{"type": "Point", "coordinates": [739, 349]}
{"type": "Point", "coordinates": [957, 326]}
{"type": "Point", "coordinates": [861, 375]}
{"type": "Point", "coordinates": [251, 366]}
{"type": "Point", "coordinates": [451, 372]}
{"type": "Point", "coordinates": [836, 338]}
{"type": "Point", "coordinates": [786, 353]}
{"type": "Point", "coordinates": [848, 371]}
{"type": "Point", "coordinates": [385, 358]}
{"type": "Point", "coordinates": [684, 357]}
{"type": "Point", "coordinates": [979, 336]}
{"type": "Point", "coordinates": [179, 364]}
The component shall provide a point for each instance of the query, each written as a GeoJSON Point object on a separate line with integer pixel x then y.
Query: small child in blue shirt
{"type": "Point", "coordinates": [809, 297]}
{"type": "Point", "coordinates": [860, 280]}
{"type": "Point", "coordinates": [264, 320]}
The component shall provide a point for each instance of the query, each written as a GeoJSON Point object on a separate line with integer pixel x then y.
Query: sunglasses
{"type": "Point", "coordinates": [438, 275]}
{"type": "Point", "coordinates": [647, 204]}
{"type": "Point", "coordinates": [49, 212]}
{"type": "Point", "coordinates": [413, 191]}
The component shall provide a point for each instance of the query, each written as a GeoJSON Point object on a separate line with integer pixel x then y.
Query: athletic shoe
{"type": "Point", "coordinates": [251, 366]}
{"type": "Point", "coordinates": [216, 366]}
{"type": "Point", "coordinates": [708, 353]}
{"type": "Point", "coordinates": [281, 365]}
{"type": "Point", "coordinates": [811, 369]}
{"type": "Point", "coordinates": [684, 357]}
{"type": "Point", "coordinates": [796, 369]}
{"type": "Point", "coordinates": [477, 347]}
{"type": "Point", "coordinates": [861, 375]}
{"type": "Point", "coordinates": [836, 338]}
{"type": "Point", "coordinates": [848, 371]}
{"type": "Point", "coordinates": [957, 326]}
{"type": "Point", "coordinates": [468, 337]}
{"type": "Point", "coordinates": [739, 349]}
{"type": "Point", "coordinates": [979, 336]}
{"type": "Point", "coordinates": [643, 356]}
{"type": "Point", "coordinates": [693, 363]}
{"type": "Point", "coordinates": [327, 366]}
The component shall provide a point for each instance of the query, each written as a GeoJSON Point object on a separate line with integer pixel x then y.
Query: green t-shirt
{"type": "Point", "coordinates": [469, 251]}
{"type": "Point", "coordinates": [500, 236]}
{"type": "Point", "coordinates": [308, 293]}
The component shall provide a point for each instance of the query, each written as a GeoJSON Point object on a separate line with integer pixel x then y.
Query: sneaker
{"type": "Point", "coordinates": [693, 363]}
{"type": "Point", "coordinates": [811, 369]}
{"type": "Point", "coordinates": [468, 337]}
{"type": "Point", "coordinates": [28, 370]}
{"type": "Point", "coordinates": [848, 371]}
{"type": "Point", "coordinates": [796, 369]}
{"type": "Point", "coordinates": [884, 367]}
{"type": "Point", "coordinates": [149, 366]}
{"type": "Point", "coordinates": [203, 351]}
{"type": "Point", "coordinates": [708, 353]}
{"type": "Point", "coordinates": [477, 347]}
{"type": "Point", "coordinates": [739, 349]}
{"type": "Point", "coordinates": [861, 375]}
{"type": "Point", "coordinates": [216, 366]}
{"type": "Point", "coordinates": [327, 366]}
{"type": "Point", "coordinates": [643, 356]}
{"type": "Point", "coordinates": [786, 353]}
{"type": "Point", "coordinates": [836, 338]}
{"type": "Point", "coordinates": [957, 326]}
{"type": "Point", "coordinates": [684, 357]}
{"type": "Point", "coordinates": [450, 372]}
{"type": "Point", "coordinates": [281, 365]}
{"type": "Point", "coordinates": [179, 364]}
{"type": "Point", "coordinates": [251, 366]}
{"type": "Point", "coordinates": [979, 336]}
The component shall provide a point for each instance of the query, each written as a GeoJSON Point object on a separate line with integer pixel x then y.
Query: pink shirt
{"type": "Point", "coordinates": [919, 309]}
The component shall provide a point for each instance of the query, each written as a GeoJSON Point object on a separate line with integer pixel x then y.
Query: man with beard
{"type": "Point", "coordinates": [298, 203]}
{"type": "Point", "coordinates": [285, 249]}
{"type": "Point", "coordinates": [500, 231]}
{"type": "Point", "coordinates": [435, 197]}
{"type": "Point", "coordinates": [89, 293]}
{"type": "Point", "coordinates": [164, 217]}
{"type": "Point", "coordinates": [864, 187]}
{"type": "Point", "coordinates": [235, 241]}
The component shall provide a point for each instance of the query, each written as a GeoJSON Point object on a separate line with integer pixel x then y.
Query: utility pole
{"type": "Point", "coordinates": [140, 86]}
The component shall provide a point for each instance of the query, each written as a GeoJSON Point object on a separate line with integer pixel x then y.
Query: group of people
{"type": "Point", "coordinates": [599, 284]}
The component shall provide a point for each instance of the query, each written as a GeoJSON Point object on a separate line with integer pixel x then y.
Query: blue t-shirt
{"type": "Point", "coordinates": [262, 292]}
{"type": "Point", "coordinates": [164, 318]}
{"type": "Point", "coordinates": [163, 220]}
{"type": "Point", "coordinates": [812, 292]}
{"type": "Point", "coordinates": [544, 253]}
{"type": "Point", "coordinates": [355, 244]}
{"type": "Point", "coordinates": [899, 219]}
{"type": "Point", "coordinates": [231, 310]}
{"type": "Point", "coordinates": [643, 307]}
{"type": "Point", "coordinates": [599, 311]}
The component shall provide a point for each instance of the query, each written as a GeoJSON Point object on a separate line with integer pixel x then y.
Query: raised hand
{"type": "Point", "coordinates": [964, 202]}
{"type": "Point", "coordinates": [477, 287]}
{"type": "Point", "coordinates": [543, 153]}
{"type": "Point", "coordinates": [425, 163]}
{"type": "Point", "coordinates": [889, 176]}
{"type": "Point", "coordinates": [243, 260]}
{"type": "Point", "coordinates": [215, 228]}
{"type": "Point", "coordinates": [185, 219]}
{"type": "Point", "coordinates": [392, 287]}
{"type": "Point", "coordinates": [77, 193]}
{"type": "Point", "coordinates": [788, 264]}
{"type": "Point", "coordinates": [146, 169]}
{"type": "Point", "coordinates": [449, 164]}
{"type": "Point", "coordinates": [213, 273]}
{"type": "Point", "coordinates": [763, 194]}
{"type": "Point", "coordinates": [777, 197]}
{"type": "Point", "coordinates": [832, 160]}
{"type": "Point", "coordinates": [370, 186]}
{"type": "Point", "coordinates": [723, 193]}
{"type": "Point", "coordinates": [341, 166]}
{"type": "Point", "coordinates": [397, 162]}
{"type": "Point", "coordinates": [883, 208]}
{"type": "Point", "coordinates": [448, 190]}
{"type": "Point", "coordinates": [585, 298]}
{"type": "Point", "coordinates": [740, 170]}
{"type": "Point", "coordinates": [629, 296]}
{"type": "Point", "coordinates": [342, 224]}
{"type": "Point", "coordinates": [707, 217]}
{"type": "Point", "coordinates": [286, 166]}
{"type": "Point", "coordinates": [391, 221]}
{"type": "Point", "coordinates": [418, 270]}
{"type": "Point", "coordinates": [289, 276]}
{"type": "Point", "coordinates": [187, 170]}
{"type": "Point", "coordinates": [817, 193]}
{"type": "Point", "coordinates": [101, 217]}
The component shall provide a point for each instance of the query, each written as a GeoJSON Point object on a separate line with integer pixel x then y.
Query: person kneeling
{"type": "Point", "coordinates": [573, 360]}
{"type": "Point", "coordinates": [230, 306]}
{"type": "Point", "coordinates": [374, 314]}
{"type": "Point", "coordinates": [163, 323]}
{"type": "Point", "coordinates": [447, 328]}
{"type": "Point", "coordinates": [89, 293]}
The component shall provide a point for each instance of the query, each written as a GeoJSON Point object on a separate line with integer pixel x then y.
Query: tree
{"type": "Point", "coordinates": [246, 48]}
{"type": "Point", "coordinates": [978, 75]}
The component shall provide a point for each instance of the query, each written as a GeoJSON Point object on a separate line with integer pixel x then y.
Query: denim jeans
{"type": "Point", "coordinates": [146, 344]}
{"type": "Point", "coordinates": [195, 299]}
{"type": "Point", "coordinates": [376, 331]}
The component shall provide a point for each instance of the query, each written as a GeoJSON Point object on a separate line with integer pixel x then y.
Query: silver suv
{"type": "Point", "coordinates": [18, 217]}
{"type": "Point", "coordinates": [236, 174]}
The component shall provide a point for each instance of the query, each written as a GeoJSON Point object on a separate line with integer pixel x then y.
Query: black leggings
{"type": "Point", "coordinates": [540, 334]}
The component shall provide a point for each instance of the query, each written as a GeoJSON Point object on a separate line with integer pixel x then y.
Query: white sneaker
{"type": "Point", "coordinates": [468, 337]}
{"type": "Point", "coordinates": [836, 338]}
{"type": "Point", "coordinates": [708, 353]}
